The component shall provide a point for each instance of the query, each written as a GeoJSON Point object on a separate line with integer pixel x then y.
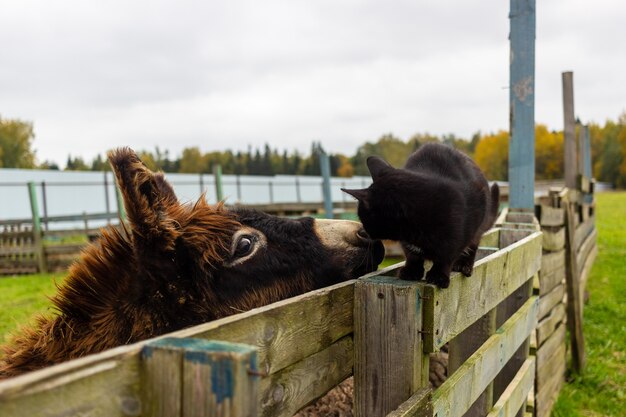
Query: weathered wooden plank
{"type": "Point", "coordinates": [419, 405]}
{"type": "Point", "coordinates": [491, 238]}
{"type": "Point", "coordinates": [554, 364]}
{"type": "Point", "coordinates": [582, 230]}
{"type": "Point", "coordinates": [18, 250]}
{"type": "Point", "coordinates": [548, 301]}
{"type": "Point", "coordinates": [553, 239]}
{"type": "Point", "coordinates": [587, 245]}
{"type": "Point", "coordinates": [462, 388]}
{"type": "Point", "coordinates": [548, 325]}
{"type": "Point", "coordinates": [503, 312]}
{"type": "Point", "coordinates": [519, 217]}
{"type": "Point", "coordinates": [512, 235]}
{"type": "Point", "coordinates": [514, 396]}
{"type": "Point", "coordinates": [584, 275]}
{"type": "Point", "coordinates": [574, 306]}
{"type": "Point", "coordinates": [285, 333]}
{"type": "Point", "coordinates": [285, 392]}
{"type": "Point", "coordinates": [310, 322]}
{"type": "Point", "coordinates": [463, 346]}
{"type": "Point", "coordinates": [551, 216]}
{"type": "Point", "coordinates": [389, 364]}
{"type": "Point", "coordinates": [448, 312]}
{"type": "Point", "coordinates": [548, 281]}
{"type": "Point", "coordinates": [72, 249]}
{"type": "Point", "coordinates": [106, 384]}
{"type": "Point", "coordinates": [483, 252]}
{"type": "Point", "coordinates": [546, 396]}
{"type": "Point", "coordinates": [551, 345]}
{"type": "Point", "coordinates": [551, 261]}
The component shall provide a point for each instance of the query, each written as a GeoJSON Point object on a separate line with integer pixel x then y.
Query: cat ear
{"type": "Point", "coordinates": [362, 195]}
{"type": "Point", "coordinates": [377, 166]}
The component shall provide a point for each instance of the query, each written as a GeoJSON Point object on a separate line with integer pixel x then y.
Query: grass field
{"type": "Point", "coordinates": [600, 391]}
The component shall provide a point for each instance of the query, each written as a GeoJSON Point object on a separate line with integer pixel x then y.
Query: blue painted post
{"type": "Point", "coordinates": [522, 105]}
{"type": "Point", "coordinates": [196, 377]}
{"type": "Point", "coordinates": [325, 168]}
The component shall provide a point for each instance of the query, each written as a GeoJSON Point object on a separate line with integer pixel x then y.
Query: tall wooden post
{"type": "Point", "coordinates": [219, 190]}
{"type": "Point", "coordinates": [36, 218]}
{"type": "Point", "coordinates": [325, 168]}
{"type": "Point", "coordinates": [522, 105]}
{"type": "Point", "coordinates": [44, 197]}
{"type": "Point", "coordinates": [569, 130]}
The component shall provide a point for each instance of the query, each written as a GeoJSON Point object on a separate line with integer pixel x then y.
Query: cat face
{"type": "Point", "coordinates": [373, 210]}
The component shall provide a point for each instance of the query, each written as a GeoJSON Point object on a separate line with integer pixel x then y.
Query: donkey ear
{"type": "Point", "coordinates": [146, 197]}
{"type": "Point", "coordinates": [377, 166]}
{"type": "Point", "coordinates": [363, 195]}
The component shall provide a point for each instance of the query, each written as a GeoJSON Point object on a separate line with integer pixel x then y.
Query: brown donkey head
{"type": "Point", "coordinates": [176, 265]}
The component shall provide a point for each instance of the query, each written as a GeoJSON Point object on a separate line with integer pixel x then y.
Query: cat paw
{"type": "Point", "coordinates": [409, 275]}
{"type": "Point", "coordinates": [465, 269]}
{"type": "Point", "coordinates": [441, 281]}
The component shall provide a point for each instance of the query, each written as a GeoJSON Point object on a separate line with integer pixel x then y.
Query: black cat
{"type": "Point", "coordinates": [437, 206]}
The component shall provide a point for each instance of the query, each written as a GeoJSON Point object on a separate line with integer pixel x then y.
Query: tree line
{"type": "Point", "coordinates": [490, 151]}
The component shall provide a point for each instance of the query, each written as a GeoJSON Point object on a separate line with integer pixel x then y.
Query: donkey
{"type": "Point", "coordinates": [177, 265]}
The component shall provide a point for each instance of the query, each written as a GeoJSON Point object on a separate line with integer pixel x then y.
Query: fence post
{"type": "Point", "coordinates": [201, 183]}
{"type": "Point", "coordinates": [37, 238]}
{"type": "Point", "coordinates": [106, 197]}
{"type": "Point", "coordinates": [238, 182]}
{"type": "Point", "coordinates": [194, 377]}
{"type": "Point", "coordinates": [298, 195]}
{"type": "Point", "coordinates": [522, 105]}
{"type": "Point", "coordinates": [45, 204]}
{"type": "Point", "coordinates": [121, 213]}
{"type": "Point", "coordinates": [325, 168]}
{"type": "Point", "coordinates": [387, 312]}
{"type": "Point", "coordinates": [271, 187]}
{"type": "Point", "coordinates": [569, 130]}
{"type": "Point", "coordinates": [217, 173]}
{"type": "Point", "coordinates": [586, 160]}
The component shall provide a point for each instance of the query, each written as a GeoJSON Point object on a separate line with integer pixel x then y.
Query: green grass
{"type": "Point", "coordinates": [23, 296]}
{"type": "Point", "coordinates": [601, 389]}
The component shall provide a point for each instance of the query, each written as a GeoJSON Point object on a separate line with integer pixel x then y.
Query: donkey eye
{"type": "Point", "coordinates": [244, 246]}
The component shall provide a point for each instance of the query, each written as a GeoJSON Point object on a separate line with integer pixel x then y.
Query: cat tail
{"type": "Point", "coordinates": [495, 200]}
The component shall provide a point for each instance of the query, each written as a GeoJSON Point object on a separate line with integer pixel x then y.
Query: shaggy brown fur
{"type": "Point", "coordinates": [174, 266]}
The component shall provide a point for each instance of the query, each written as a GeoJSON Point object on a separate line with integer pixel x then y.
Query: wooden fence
{"type": "Point", "coordinates": [25, 248]}
{"type": "Point", "coordinates": [274, 360]}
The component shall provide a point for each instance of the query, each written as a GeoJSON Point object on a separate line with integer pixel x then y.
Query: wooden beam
{"type": "Point", "coordinates": [574, 306]}
{"type": "Point", "coordinates": [419, 405]}
{"type": "Point", "coordinates": [548, 301]}
{"type": "Point", "coordinates": [548, 325]}
{"type": "Point", "coordinates": [285, 392]}
{"type": "Point", "coordinates": [569, 123]}
{"type": "Point", "coordinates": [389, 363]}
{"type": "Point", "coordinates": [553, 238]}
{"type": "Point", "coordinates": [462, 388]}
{"type": "Point", "coordinates": [463, 346]}
{"type": "Point", "coordinates": [450, 311]}
{"type": "Point", "coordinates": [514, 396]}
{"type": "Point", "coordinates": [551, 216]}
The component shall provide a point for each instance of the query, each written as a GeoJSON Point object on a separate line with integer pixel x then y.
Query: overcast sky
{"type": "Point", "coordinates": [220, 75]}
